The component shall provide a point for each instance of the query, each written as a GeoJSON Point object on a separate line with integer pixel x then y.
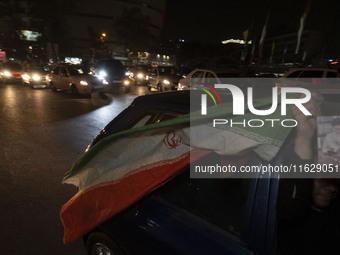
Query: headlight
{"type": "Point", "coordinates": [105, 82]}
{"type": "Point", "coordinates": [126, 82]}
{"type": "Point", "coordinates": [180, 87]}
{"type": "Point", "coordinates": [25, 77]}
{"type": "Point", "coordinates": [166, 82]}
{"type": "Point", "coordinates": [7, 74]}
{"type": "Point", "coordinates": [140, 76]}
{"type": "Point", "coordinates": [36, 77]}
{"type": "Point", "coordinates": [147, 77]}
{"type": "Point", "coordinates": [127, 73]}
{"type": "Point", "coordinates": [83, 83]}
{"type": "Point", "coordinates": [102, 74]}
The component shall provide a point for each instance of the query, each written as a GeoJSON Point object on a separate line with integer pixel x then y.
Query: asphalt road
{"type": "Point", "coordinates": [41, 134]}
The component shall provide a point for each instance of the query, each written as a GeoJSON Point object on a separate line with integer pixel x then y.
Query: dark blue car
{"type": "Point", "coordinates": [190, 216]}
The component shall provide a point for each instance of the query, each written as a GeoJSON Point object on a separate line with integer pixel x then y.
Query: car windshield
{"type": "Point", "coordinates": [39, 69]}
{"type": "Point", "coordinates": [12, 66]}
{"type": "Point", "coordinates": [168, 71]}
{"type": "Point", "coordinates": [227, 75]}
{"type": "Point", "coordinates": [110, 65]}
{"type": "Point", "coordinates": [141, 68]}
{"type": "Point", "coordinates": [76, 71]}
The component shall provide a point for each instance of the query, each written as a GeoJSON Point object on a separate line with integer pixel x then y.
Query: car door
{"type": "Point", "coordinates": [64, 79]}
{"type": "Point", "coordinates": [199, 217]}
{"type": "Point", "coordinates": [211, 78]}
{"type": "Point", "coordinates": [153, 78]}
{"type": "Point", "coordinates": [331, 83]}
{"type": "Point", "coordinates": [290, 79]}
{"type": "Point", "coordinates": [196, 79]}
{"type": "Point", "coordinates": [55, 77]}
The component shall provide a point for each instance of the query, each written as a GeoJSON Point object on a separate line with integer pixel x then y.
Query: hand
{"type": "Point", "coordinates": [306, 127]}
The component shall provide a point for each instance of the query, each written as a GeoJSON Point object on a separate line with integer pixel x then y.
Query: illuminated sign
{"type": "Point", "coordinates": [2, 55]}
{"type": "Point", "coordinates": [28, 35]}
{"type": "Point", "coordinates": [73, 61]}
{"type": "Point", "coordinates": [238, 41]}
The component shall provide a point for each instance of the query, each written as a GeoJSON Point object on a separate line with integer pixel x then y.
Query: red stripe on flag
{"type": "Point", "coordinates": [88, 209]}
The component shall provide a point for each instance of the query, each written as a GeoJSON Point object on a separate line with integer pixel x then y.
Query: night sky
{"type": "Point", "coordinates": [213, 21]}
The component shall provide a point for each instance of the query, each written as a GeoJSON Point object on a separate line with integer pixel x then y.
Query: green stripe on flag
{"type": "Point", "coordinates": [225, 111]}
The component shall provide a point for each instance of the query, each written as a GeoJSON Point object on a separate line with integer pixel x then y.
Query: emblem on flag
{"type": "Point", "coordinates": [172, 139]}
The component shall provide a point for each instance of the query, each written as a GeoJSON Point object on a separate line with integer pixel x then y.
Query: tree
{"type": "Point", "coordinates": [133, 30]}
{"type": "Point", "coordinates": [98, 46]}
{"type": "Point", "coordinates": [9, 27]}
{"type": "Point", "coordinates": [51, 21]}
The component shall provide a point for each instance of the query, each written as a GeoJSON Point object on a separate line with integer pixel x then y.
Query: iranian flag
{"type": "Point", "coordinates": [125, 167]}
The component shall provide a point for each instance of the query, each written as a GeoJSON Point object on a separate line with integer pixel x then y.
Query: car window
{"type": "Point", "coordinates": [56, 70]}
{"type": "Point", "coordinates": [39, 69]}
{"type": "Point", "coordinates": [210, 75]}
{"type": "Point", "coordinates": [168, 71]}
{"type": "Point", "coordinates": [143, 121]}
{"type": "Point", "coordinates": [76, 71]}
{"type": "Point", "coordinates": [153, 72]}
{"type": "Point", "coordinates": [110, 66]}
{"type": "Point", "coordinates": [63, 71]}
{"type": "Point", "coordinates": [163, 116]}
{"type": "Point", "coordinates": [227, 75]}
{"type": "Point", "coordinates": [294, 74]}
{"type": "Point", "coordinates": [150, 117]}
{"type": "Point", "coordinates": [198, 74]}
{"type": "Point", "coordinates": [311, 74]}
{"type": "Point", "coordinates": [219, 201]}
{"type": "Point", "coordinates": [12, 65]}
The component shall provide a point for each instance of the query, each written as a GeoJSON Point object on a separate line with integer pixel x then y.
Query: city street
{"type": "Point", "coordinates": [250, 65]}
{"type": "Point", "coordinates": [41, 134]}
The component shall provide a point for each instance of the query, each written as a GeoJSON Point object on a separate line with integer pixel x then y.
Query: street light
{"type": "Point", "coordinates": [102, 37]}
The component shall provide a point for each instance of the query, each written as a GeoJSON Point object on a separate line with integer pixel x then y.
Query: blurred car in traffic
{"type": "Point", "coordinates": [74, 79]}
{"type": "Point", "coordinates": [200, 76]}
{"type": "Point", "coordinates": [36, 76]}
{"type": "Point", "coordinates": [163, 78]}
{"type": "Point", "coordinates": [188, 215]}
{"type": "Point", "coordinates": [113, 74]}
{"type": "Point", "coordinates": [139, 74]}
{"type": "Point", "coordinates": [325, 80]}
{"type": "Point", "coordinates": [10, 72]}
{"type": "Point", "coordinates": [311, 72]}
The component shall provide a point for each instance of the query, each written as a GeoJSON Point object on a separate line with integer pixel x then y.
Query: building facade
{"type": "Point", "coordinates": [122, 29]}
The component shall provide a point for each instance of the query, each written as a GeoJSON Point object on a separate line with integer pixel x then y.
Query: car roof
{"type": "Point", "coordinates": [173, 97]}
{"type": "Point", "coordinates": [185, 100]}
{"type": "Point", "coordinates": [11, 64]}
{"type": "Point", "coordinates": [313, 69]}
{"type": "Point", "coordinates": [219, 70]}
{"type": "Point", "coordinates": [203, 70]}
